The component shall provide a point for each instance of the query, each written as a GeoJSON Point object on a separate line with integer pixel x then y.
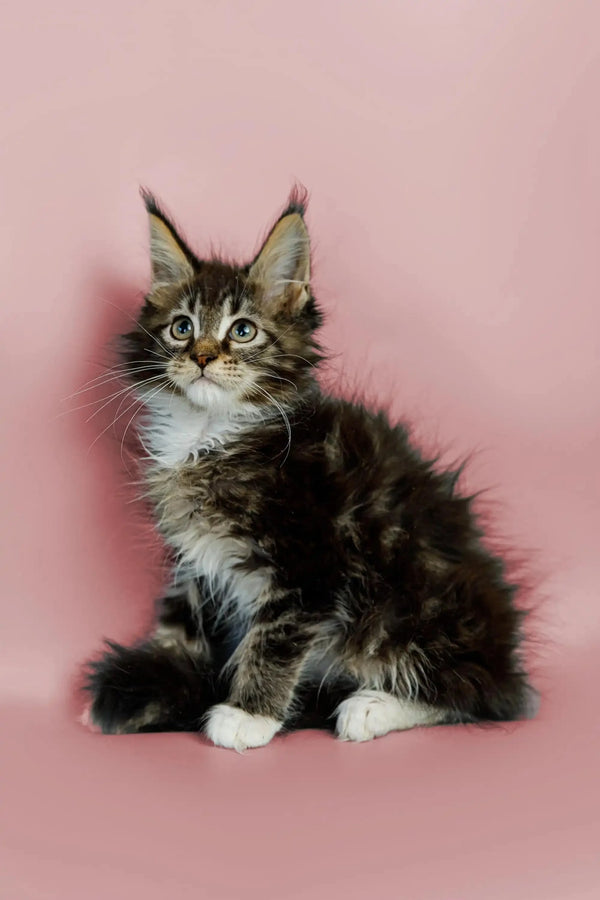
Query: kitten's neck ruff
{"type": "Point", "coordinates": [174, 431]}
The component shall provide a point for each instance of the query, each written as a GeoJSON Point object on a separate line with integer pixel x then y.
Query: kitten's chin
{"type": "Point", "coordinates": [204, 392]}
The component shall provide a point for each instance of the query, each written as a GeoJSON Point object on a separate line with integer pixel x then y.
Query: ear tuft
{"type": "Point", "coordinates": [297, 201]}
{"type": "Point", "coordinates": [172, 260]}
{"type": "Point", "coordinates": [151, 203]}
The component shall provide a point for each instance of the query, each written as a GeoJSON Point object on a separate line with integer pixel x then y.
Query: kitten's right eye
{"type": "Point", "coordinates": [182, 328]}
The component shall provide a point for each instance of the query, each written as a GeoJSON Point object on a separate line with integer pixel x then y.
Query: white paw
{"type": "Point", "coordinates": [371, 714]}
{"type": "Point", "coordinates": [232, 727]}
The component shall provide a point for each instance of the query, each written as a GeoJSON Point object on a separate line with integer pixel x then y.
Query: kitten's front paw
{"type": "Point", "coordinates": [367, 715]}
{"type": "Point", "coordinates": [232, 727]}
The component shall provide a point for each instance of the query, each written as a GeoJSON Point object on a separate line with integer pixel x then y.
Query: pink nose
{"type": "Point", "coordinates": [203, 361]}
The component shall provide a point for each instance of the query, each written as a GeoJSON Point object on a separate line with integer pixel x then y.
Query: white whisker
{"type": "Point", "coordinates": [272, 344]}
{"type": "Point", "coordinates": [140, 400]}
{"type": "Point", "coordinates": [126, 390]}
{"type": "Point", "coordinates": [139, 325]}
{"type": "Point", "coordinates": [108, 378]}
{"type": "Point", "coordinates": [284, 416]}
{"type": "Point", "coordinates": [145, 400]}
{"type": "Point", "coordinates": [267, 374]}
{"type": "Point", "coordinates": [294, 356]}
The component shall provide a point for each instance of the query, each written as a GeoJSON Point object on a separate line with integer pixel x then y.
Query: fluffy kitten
{"type": "Point", "coordinates": [323, 572]}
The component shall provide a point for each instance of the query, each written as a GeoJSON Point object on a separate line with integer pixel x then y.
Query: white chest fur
{"type": "Point", "coordinates": [175, 431]}
{"type": "Point", "coordinates": [224, 562]}
{"type": "Point", "coordinates": [207, 546]}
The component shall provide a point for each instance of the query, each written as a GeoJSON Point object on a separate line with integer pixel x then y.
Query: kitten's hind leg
{"type": "Point", "coordinates": [370, 714]}
{"type": "Point", "coordinates": [148, 687]}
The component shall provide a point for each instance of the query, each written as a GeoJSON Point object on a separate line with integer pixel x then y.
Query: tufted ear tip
{"type": "Point", "coordinates": [150, 201]}
{"type": "Point", "coordinates": [297, 200]}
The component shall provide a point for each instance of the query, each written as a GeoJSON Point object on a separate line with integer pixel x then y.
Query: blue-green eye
{"type": "Point", "coordinates": [242, 331]}
{"type": "Point", "coordinates": [182, 328]}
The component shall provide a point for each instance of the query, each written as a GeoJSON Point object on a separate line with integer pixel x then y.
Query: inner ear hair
{"type": "Point", "coordinates": [171, 259]}
{"type": "Point", "coordinates": [282, 268]}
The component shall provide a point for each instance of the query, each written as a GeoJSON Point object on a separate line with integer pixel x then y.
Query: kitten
{"type": "Point", "coordinates": [323, 572]}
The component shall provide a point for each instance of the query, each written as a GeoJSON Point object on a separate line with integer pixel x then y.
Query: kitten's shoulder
{"type": "Point", "coordinates": [360, 429]}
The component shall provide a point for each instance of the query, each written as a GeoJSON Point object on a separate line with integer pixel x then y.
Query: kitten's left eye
{"type": "Point", "coordinates": [182, 328]}
{"type": "Point", "coordinates": [242, 331]}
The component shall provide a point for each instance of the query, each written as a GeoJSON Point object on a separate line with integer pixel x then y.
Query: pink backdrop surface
{"type": "Point", "coordinates": [452, 152]}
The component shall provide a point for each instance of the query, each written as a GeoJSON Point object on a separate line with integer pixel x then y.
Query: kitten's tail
{"type": "Point", "coordinates": [148, 687]}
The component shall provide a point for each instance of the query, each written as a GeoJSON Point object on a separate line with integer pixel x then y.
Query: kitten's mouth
{"type": "Point", "coordinates": [206, 379]}
{"type": "Point", "coordinates": [202, 376]}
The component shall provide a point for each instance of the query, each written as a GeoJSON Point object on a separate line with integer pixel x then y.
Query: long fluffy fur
{"type": "Point", "coordinates": [316, 553]}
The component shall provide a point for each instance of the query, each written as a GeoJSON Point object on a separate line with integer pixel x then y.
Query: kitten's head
{"type": "Point", "coordinates": [227, 336]}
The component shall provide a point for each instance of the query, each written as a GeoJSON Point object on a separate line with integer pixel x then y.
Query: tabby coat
{"type": "Point", "coordinates": [323, 572]}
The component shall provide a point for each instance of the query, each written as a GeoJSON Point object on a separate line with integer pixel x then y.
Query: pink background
{"type": "Point", "coordinates": [452, 151]}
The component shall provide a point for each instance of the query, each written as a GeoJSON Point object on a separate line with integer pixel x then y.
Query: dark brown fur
{"type": "Point", "coordinates": [353, 563]}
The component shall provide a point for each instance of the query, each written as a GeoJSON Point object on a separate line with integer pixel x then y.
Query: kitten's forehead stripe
{"type": "Point", "coordinates": [215, 282]}
{"type": "Point", "coordinates": [190, 303]}
{"type": "Point", "coordinates": [197, 301]}
{"type": "Point", "coordinates": [237, 299]}
{"type": "Point", "coordinates": [227, 305]}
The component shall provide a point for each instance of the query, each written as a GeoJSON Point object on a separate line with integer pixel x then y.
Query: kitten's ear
{"type": "Point", "coordinates": [282, 268]}
{"type": "Point", "coordinates": [172, 261]}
